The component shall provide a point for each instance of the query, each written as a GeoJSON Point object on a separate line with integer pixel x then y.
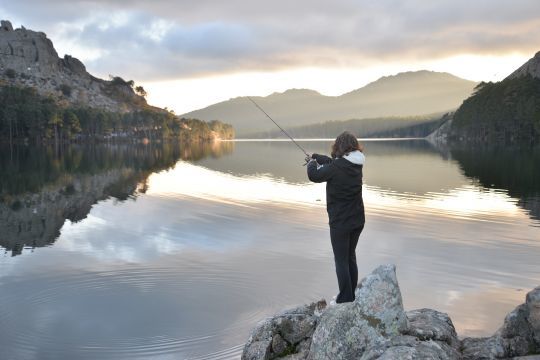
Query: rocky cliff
{"type": "Point", "coordinates": [28, 58]}
{"type": "Point", "coordinates": [375, 326]}
{"type": "Point", "coordinates": [531, 67]}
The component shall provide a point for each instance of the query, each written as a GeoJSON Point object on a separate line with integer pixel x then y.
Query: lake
{"type": "Point", "coordinates": [173, 251]}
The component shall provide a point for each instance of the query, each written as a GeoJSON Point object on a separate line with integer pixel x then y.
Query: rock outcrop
{"type": "Point", "coordinates": [28, 58]}
{"type": "Point", "coordinates": [531, 67]}
{"type": "Point", "coordinates": [440, 135]}
{"type": "Point", "coordinates": [286, 335]}
{"type": "Point", "coordinates": [375, 326]}
{"type": "Point", "coordinates": [519, 335]}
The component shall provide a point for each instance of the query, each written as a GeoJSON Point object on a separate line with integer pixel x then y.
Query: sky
{"type": "Point", "coordinates": [191, 53]}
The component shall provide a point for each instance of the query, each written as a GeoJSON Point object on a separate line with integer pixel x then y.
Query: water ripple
{"type": "Point", "coordinates": [44, 305]}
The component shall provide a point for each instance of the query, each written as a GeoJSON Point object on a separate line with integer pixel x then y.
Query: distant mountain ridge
{"type": "Point", "coordinates": [403, 94]}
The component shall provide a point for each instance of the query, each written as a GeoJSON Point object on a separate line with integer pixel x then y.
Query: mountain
{"type": "Point", "coordinates": [507, 111]}
{"type": "Point", "coordinates": [45, 97]}
{"type": "Point", "coordinates": [404, 94]}
{"type": "Point", "coordinates": [28, 58]}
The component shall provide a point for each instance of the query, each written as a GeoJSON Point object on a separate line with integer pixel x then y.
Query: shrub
{"type": "Point", "coordinates": [65, 89]}
{"type": "Point", "coordinates": [10, 73]}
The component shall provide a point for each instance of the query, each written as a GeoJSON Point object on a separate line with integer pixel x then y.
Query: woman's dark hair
{"type": "Point", "coordinates": [345, 143]}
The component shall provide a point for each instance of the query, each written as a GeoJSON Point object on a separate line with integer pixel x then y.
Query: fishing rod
{"type": "Point", "coordinates": [290, 137]}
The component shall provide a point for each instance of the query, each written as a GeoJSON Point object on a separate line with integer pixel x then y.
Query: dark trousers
{"type": "Point", "coordinates": [344, 247]}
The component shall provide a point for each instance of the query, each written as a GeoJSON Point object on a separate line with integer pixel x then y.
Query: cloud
{"type": "Point", "coordinates": [170, 39]}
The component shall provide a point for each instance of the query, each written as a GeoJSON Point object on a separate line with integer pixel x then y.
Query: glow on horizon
{"type": "Point", "coordinates": [185, 95]}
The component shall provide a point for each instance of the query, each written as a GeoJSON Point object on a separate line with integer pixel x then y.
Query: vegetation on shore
{"type": "Point", "coordinates": [507, 111]}
{"type": "Point", "coordinates": [26, 115]}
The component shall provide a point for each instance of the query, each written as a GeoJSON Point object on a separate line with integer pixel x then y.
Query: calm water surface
{"type": "Point", "coordinates": [175, 252]}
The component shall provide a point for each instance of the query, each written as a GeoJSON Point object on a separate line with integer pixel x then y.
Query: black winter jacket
{"type": "Point", "coordinates": [343, 178]}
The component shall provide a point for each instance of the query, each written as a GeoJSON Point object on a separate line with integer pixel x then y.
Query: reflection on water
{"type": "Point", "coordinates": [176, 251]}
{"type": "Point", "coordinates": [517, 171]}
{"type": "Point", "coordinates": [40, 188]}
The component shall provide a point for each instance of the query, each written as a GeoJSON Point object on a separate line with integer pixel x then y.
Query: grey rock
{"type": "Point", "coordinates": [533, 306]}
{"type": "Point", "coordinates": [304, 345]}
{"type": "Point", "coordinates": [346, 331]}
{"type": "Point", "coordinates": [483, 348]}
{"type": "Point", "coordinates": [278, 345]}
{"type": "Point", "coordinates": [74, 65]}
{"type": "Point", "coordinates": [6, 25]}
{"type": "Point", "coordinates": [295, 328]}
{"type": "Point", "coordinates": [514, 338]}
{"type": "Point", "coordinates": [422, 350]}
{"type": "Point", "coordinates": [375, 326]}
{"type": "Point", "coordinates": [516, 332]}
{"type": "Point", "coordinates": [298, 356]}
{"type": "Point", "coordinates": [427, 324]}
{"type": "Point", "coordinates": [439, 136]}
{"type": "Point", "coordinates": [259, 344]}
{"type": "Point", "coordinates": [396, 341]}
{"type": "Point", "coordinates": [287, 331]}
{"type": "Point", "coordinates": [378, 296]}
{"type": "Point", "coordinates": [410, 347]}
{"type": "Point", "coordinates": [258, 350]}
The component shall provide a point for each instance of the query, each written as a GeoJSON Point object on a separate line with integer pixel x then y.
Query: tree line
{"type": "Point", "coordinates": [26, 115]}
{"type": "Point", "coordinates": [505, 111]}
{"type": "Point", "coordinates": [409, 126]}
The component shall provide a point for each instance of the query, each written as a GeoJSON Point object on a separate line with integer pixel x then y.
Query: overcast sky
{"type": "Point", "coordinates": [191, 53]}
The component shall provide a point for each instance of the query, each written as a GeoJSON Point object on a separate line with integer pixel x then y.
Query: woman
{"type": "Point", "coordinates": [343, 175]}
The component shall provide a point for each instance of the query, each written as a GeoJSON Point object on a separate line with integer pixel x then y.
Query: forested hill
{"type": "Point", "coordinates": [401, 95]}
{"type": "Point", "coordinates": [44, 97]}
{"type": "Point", "coordinates": [507, 111]}
{"type": "Point", "coordinates": [26, 115]}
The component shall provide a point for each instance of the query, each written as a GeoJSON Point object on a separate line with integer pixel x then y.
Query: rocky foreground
{"type": "Point", "coordinates": [375, 326]}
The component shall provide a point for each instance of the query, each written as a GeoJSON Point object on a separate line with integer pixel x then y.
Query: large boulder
{"type": "Point", "coordinates": [518, 336]}
{"type": "Point", "coordinates": [287, 334]}
{"type": "Point", "coordinates": [533, 317]}
{"type": "Point", "coordinates": [375, 326]}
{"type": "Point", "coordinates": [347, 330]}
{"type": "Point", "coordinates": [428, 324]}
{"type": "Point", "coordinates": [430, 335]}
{"type": "Point", "coordinates": [6, 25]}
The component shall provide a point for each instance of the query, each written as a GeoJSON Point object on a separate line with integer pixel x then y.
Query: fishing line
{"type": "Point", "coordinates": [290, 137]}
